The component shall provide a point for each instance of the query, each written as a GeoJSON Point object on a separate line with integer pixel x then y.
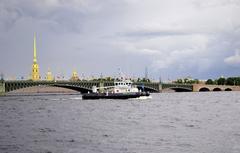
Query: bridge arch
{"type": "Point", "coordinates": [228, 89]}
{"type": "Point", "coordinates": [217, 89]}
{"type": "Point", "coordinates": [204, 89]}
{"type": "Point", "coordinates": [146, 88]}
{"type": "Point", "coordinates": [76, 88]}
{"type": "Point", "coordinates": [176, 89]}
{"type": "Point", "coordinates": [180, 89]}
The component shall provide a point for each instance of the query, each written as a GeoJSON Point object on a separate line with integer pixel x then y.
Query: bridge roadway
{"type": "Point", "coordinates": [86, 86]}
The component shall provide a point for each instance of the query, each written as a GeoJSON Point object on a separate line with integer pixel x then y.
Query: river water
{"type": "Point", "coordinates": [168, 123]}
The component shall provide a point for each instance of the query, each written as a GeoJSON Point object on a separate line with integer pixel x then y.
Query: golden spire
{"type": "Point", "coordinates": [35, 67]}
{"type": "Point", "coordinates": [34, 49]}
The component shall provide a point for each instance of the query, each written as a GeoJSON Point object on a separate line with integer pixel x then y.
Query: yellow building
{"type": "Point", "coordinates": [35, 67]}
{"type": "Point", "coordinates": [49, 76]}
{"type": "Point", "coordinates": [74, 76]}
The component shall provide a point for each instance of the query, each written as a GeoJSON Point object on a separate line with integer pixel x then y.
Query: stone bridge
{"type": "Point", "coordinates": [204, 87]}
{"type": "Point", "coordinates": [199, 87]}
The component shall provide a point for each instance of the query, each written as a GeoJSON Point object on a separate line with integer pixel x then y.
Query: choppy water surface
{"type": "Point", "coordinates": [167, 123]}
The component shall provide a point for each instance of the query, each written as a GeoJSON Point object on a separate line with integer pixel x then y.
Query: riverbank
{"type": "Point", "coordinates": [42, 90]}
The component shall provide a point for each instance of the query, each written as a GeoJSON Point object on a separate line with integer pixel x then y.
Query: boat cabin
{"type": "Point", "coordinates": [124, 87]}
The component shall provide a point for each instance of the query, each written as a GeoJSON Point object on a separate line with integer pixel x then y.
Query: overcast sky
{"type": "Point", "coordinates": [173, 38]}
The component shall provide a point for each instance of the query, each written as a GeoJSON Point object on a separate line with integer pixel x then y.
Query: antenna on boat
{"type": "Point", "coordinates": [120, 74]}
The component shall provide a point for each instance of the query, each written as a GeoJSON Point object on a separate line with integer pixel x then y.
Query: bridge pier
{"type": "Point", "coordinates": [2, 87]}
{"type": "Point", "coordinates": [195, 88]}
{"type": "Point", "coordinates": [160, 87]}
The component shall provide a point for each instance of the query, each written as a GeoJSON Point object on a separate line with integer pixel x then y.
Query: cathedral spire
{"type": "Point", "coordinates": [34, 49]}
{"type": "Point", "coordinates": [35, 67]}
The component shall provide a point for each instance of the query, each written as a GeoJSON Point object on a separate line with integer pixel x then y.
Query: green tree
{"type": "Point", "coordinates": [196, 81]}
{"type": "Point", "coordinates": [237, 81]}
{"type": "Point", "coordinates": [139, 80]}
{"type": "Point", "coordinates": [209, 81]}
{"type": "Point", "coordinates": [230, 81]}
{"type": "Point", "coordinates": [221, 81]}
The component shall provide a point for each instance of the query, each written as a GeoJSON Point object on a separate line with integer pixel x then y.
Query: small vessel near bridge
{"type": "Point", "coordinates": [123, 89]}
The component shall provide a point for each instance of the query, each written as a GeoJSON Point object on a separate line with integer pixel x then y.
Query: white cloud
{"type": "Point", "coordinates": [233, 60]}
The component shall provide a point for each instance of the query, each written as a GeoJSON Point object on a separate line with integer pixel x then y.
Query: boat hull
{"type": "Point", "coordinates": [114, 95]}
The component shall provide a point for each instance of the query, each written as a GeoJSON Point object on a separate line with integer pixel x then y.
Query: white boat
{"type": "Point", "coordinates": [122, 89]}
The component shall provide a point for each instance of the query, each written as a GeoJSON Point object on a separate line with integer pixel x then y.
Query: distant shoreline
{"type": "Point", "coordinates": [39, 94]}
{"type": "Point", "coordinates": [42, 90]}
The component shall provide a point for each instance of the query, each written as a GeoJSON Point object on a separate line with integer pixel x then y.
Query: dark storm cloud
{"type": "Point", "coordinates": [172, 38]}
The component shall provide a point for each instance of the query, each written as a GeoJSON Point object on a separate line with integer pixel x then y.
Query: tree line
{"type": "Point", "coordinates": [224, 81]}
{"type": "Point", "coordinates": [220, 81]}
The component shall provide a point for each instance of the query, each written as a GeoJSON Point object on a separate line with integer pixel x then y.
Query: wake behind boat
{"type": "Point", "coordinates": [121, 90]}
